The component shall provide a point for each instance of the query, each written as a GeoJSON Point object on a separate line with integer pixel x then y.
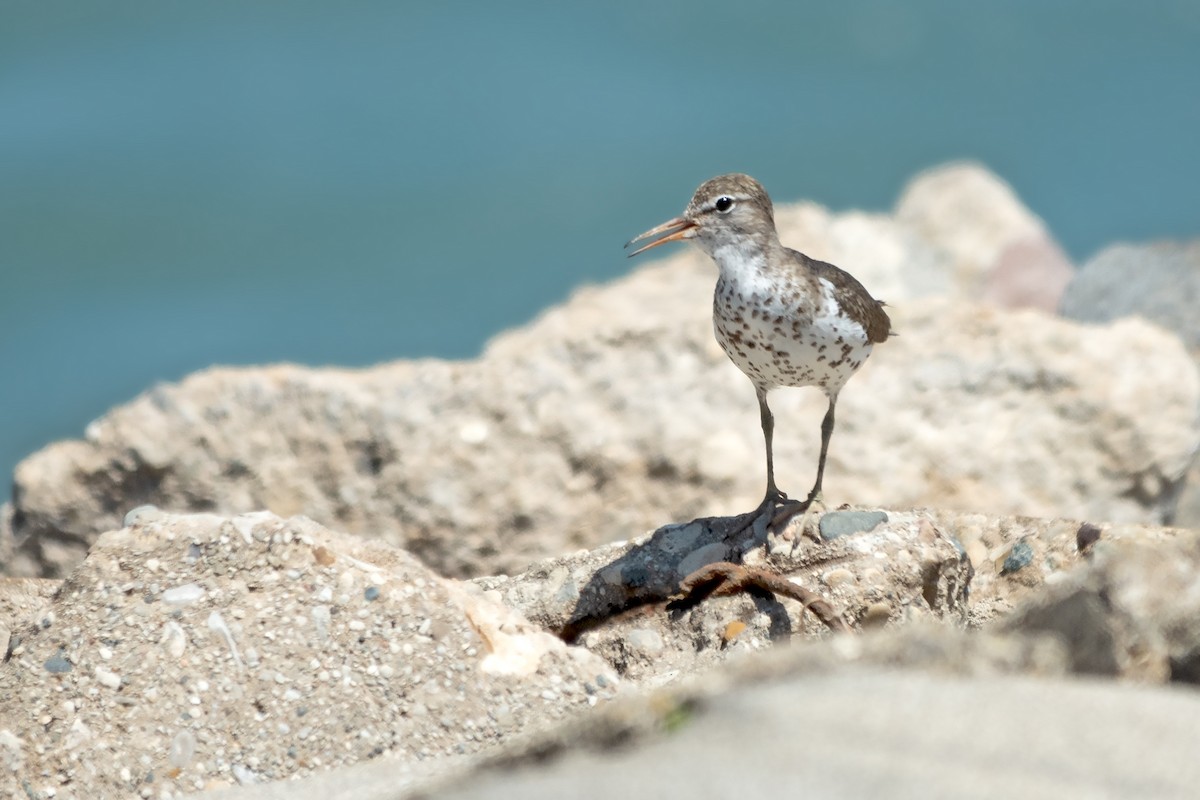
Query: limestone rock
{"type": "Point", "coordinates": [237, 654]}
{"type": "Point", "coordinates": [860, 733]}
{"type": "Point", "coordinates": [190, 652]}
{"type": "Point", "coordinates": [617, 411]}
{"type": "Point", "coordinates": [989, 245]}
{"type": "Point", "coordinates": [1158, 282]}
{"type": "Point", "coordinates": [1014, 558]}
{"type": "Point", "coordinates": [7, 545]}
{"type": "Point", "coordinates": [22, 600]}
{"type": "Point", "coordinates": [613, 599]}
{"type": "Point", "coordinates": [908, 687]}
{"type": "Point", "coordinates": [1134, 611]}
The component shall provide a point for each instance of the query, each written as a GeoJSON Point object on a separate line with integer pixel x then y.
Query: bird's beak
{"type": "Point", "coordinates": [673, 230]}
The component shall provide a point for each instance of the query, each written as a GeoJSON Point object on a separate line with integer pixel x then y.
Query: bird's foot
{"type": "Point", "coordinates": [766, 509]}
{"type": "Point", "coordinates": [789, 509]}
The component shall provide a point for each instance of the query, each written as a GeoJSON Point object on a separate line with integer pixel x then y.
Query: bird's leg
{"type": "Point", "coordinates": [814, 497]}
{"type": "Point", "coordinates": [773, 496]}
{"type": "Point", "coordinates": [826, 434]}
{"type": "Point", "coordinates": [773, 499]}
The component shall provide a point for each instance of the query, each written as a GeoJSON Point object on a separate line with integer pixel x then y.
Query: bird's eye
{"type": "Point", "coordinates": [723, 204]}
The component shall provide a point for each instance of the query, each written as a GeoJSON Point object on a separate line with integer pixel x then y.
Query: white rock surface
{"type": "Point", "coordinates": [117, 693]}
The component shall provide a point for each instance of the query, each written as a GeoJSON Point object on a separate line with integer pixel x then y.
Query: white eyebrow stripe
{"type": "Point", "coordinates": [737, 198]}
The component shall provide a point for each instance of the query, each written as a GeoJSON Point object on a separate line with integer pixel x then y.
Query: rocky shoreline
{"type": "Point", "coordinates": [468, 582]}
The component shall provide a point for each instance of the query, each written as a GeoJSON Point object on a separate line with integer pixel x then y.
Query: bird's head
{"type": "Point", "coordinates": [726, 211]}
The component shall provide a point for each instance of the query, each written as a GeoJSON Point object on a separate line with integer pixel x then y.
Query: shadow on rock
{"type": "Point", "coordinates": [650, 572]}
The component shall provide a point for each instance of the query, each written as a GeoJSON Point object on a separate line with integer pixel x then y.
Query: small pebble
{"type": "Point", "coordinates": [732, 631]}
{"type": "Point", "coordinates": [217, 625]}
{"type": "Point", "coordinates": [1018, 558]}
{"type": "Point", "coordinates": [131, 518]}
{"type": "Point", "coordinates": [371, 593]}
{"type": "Point", "coordinates": [836, 577]}
{"type": "Point", "coordinates": [57, 664]}
{"type": "Point", "coordinates": [835, 524]}
{"type": "Point", "coordinates": [321, 618]}
{"type": "Point", "coordinates": [646, 642]}
{"type": "Point", "coordinates": [876, 614]}
{"type": "Point", "coordinates": [700, 557]}
{"type": "Point", "coordinates": [1087, 535]}
{"type": "Point", "coordinates": [183, 595]}
{"type": "Point", "coordinates": [243, 775]}
{"type": "Point", "coordinates": [107, 678]}
{"type": "Point", "coordinates": [183, 749]}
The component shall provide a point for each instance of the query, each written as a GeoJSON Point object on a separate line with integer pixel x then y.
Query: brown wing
{"type": "Point", "coordinates": [853, 297]}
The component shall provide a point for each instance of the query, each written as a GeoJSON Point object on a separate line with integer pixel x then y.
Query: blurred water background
{"type": "Point", "coordinates": [184, 184]}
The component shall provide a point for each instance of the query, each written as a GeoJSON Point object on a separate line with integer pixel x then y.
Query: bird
{"type": "Point", "coordinates": [783, 318]}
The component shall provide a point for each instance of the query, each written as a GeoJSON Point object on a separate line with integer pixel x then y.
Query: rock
{"type": "Point", "coordinates": [958, 230]}
{"type": "Point", "coordinates": [1133, 611]}
{"type": "Point", "coordinates": [1017, 558]}
{"type": "Point", "coordinates": [968, 408]}
{"type": "Point", "coordinates": [1028, 273]}
{"type": "Point", "coordinates": [646, 643]}
{"type": "Point", "coordinates": [22, 601]}
{"type": "Point", "coordinates": [908, 687]}
{"type": "Point", "coordinates": [57, 664]}
{"type": "Point", "coordinates": [847, 523]}
{"type": "Point", "coordinates": [1158, 282]}
{"type": "Point", "coordinates": [616, 412]}
{"type": "Point", "coordinates": [238, 686]}
{"type": "Point", "coordinates": [989, 246]}
{"type": "Point", "coordinates": [287, 666]}
{"type": "Point", "coordinates": [7, 544]}
{"type": "Point", "coordinates": [1079, 738]}
{"type": "Point", "coordinates": [622, 614]}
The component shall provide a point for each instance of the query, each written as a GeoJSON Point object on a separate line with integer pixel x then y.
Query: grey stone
{"type": "Point", "coordinates": [1158, 282]}
{"type": "Point", "coordinates": [1084, 740]}
{"type": "Point", "coordinates": [702, 557]}
{"type": "Point", "coordinates": [845, 523]}
{"type": "Point", "coordinates": [57, 664]}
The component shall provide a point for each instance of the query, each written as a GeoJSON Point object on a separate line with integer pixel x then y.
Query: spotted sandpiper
{"type": "Point", "coordinates": [783, 318]}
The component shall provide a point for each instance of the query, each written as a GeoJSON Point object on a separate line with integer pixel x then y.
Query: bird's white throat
{"type": "Point", "coordinates": [741, 261]}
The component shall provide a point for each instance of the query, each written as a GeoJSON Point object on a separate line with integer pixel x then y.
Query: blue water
{"type": "Point", "coordinates": [190, 184]}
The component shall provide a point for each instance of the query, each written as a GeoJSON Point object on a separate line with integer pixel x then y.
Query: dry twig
{"type": "Point", "coordinates": [726, 578]}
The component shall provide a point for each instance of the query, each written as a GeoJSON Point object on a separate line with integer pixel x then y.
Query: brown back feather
{"type": "Point", "coordinates": [854, 298]}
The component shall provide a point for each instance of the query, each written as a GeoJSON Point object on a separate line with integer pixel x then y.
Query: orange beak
{"type": "Point", "coordinates": [673, 230]}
